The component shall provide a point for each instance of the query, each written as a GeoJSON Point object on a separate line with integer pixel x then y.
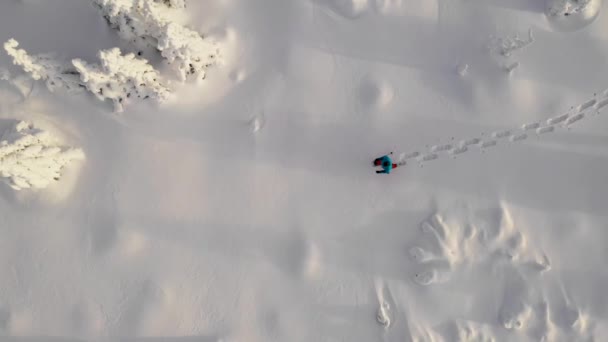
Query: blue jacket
{"type": "Point", "coordinates": [386, 163]}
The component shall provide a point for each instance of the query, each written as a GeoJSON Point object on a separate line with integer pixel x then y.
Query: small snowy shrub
{"type": "Point", "coordinates": [566, 7]}
{"type": "Point", "coordinates": [120, 78]}
{"type": "Point", "coordinates": [146, 23]}
{"type": "Point", "coordinates": [32, 158]}
{"type": "Point", "coordinates": [505, 46]}
{"type": "Point", "coordinates": [186, 51]}
{"type": "Point", "coordinates": [57, 75]}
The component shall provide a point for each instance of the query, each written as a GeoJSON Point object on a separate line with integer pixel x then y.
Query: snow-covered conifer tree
{"type": "Point", "coordinates": [147, 23]}
{"type": "Point", "coordinates": [121, 78]}
{"type": "Point", "coordinates": [33, 158]}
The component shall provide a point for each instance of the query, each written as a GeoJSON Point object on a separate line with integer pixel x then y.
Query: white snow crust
{"type": "Point", "coordinates": [246, 207]}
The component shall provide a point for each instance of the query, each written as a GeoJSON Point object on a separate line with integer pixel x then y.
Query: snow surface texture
{"type": "Point", "coordinates": [32, 158]}
{"type": "Point", "coordinates": [145, 23]}
{"type": "Point", "coordinates": [247, 208]}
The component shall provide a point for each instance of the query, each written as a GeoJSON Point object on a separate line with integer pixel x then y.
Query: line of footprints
{"type": "Point", "coordinates": [513, 135]}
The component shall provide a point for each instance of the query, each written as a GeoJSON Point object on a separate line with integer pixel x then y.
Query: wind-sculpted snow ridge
{"type": "Point", "coordinates": [32, 158]}
{"type": "Point", "coordinates": [489, 245]}
{"type": "Point", "coordinates": [525, 131]}
{"type": "Point", "coordinates": [146, 23]}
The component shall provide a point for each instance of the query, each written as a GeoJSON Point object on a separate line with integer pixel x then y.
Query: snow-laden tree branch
{"type": "Point", "coordinates": [32, 158]}
{"type": "Point", "coordinates": [148, 22]}
{"type": "Point", "coordinates": [173, 3]}
{"type": "Point", "coordinates": [186, 50]}
{"type": "Point", "coordinates": [44, 67]}
{"type": "Point", "coordinates": [121, 78]}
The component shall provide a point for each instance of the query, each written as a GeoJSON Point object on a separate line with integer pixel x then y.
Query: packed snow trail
{"type": "Point", "coordinates": [574, 115]}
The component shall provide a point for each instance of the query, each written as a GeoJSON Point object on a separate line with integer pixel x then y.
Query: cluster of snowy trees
{"type": "Point", "coordinates": [33, 158]}
{"type": "Point", "coordinates": [123, 77]}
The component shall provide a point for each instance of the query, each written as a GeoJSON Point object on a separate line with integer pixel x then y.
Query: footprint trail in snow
{"type": "Point", "coordinates": [525, 131]}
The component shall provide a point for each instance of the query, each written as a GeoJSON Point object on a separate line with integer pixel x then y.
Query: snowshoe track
{"type": "Point", "coordinates": [577, 113]}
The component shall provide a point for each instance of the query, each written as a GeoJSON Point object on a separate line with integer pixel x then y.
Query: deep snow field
{"type": "Point", "coordinates": [245, 206]}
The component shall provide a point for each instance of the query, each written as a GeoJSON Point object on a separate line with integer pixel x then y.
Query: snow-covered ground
{"type": "Point", "coordinates": [244, 207]}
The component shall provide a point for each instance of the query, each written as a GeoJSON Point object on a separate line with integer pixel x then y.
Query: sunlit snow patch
{"type": "Point", "coordinates": [32, 158]}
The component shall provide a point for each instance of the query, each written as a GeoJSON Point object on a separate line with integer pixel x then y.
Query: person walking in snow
{"type": "Point", "coordinates": [386, 163]}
